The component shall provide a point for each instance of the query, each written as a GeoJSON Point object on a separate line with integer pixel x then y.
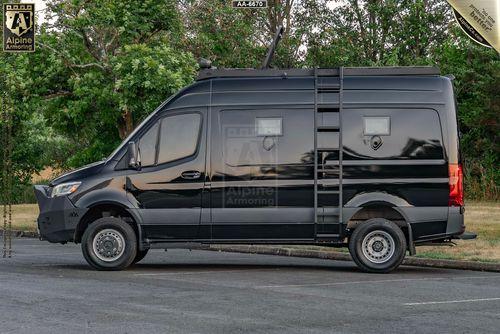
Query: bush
{"type": "Point", "coordinates": [481, 182]}
{"type": "Point", "coordinates": [22, 193]}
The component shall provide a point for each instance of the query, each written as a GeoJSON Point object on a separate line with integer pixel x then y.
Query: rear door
{"type": "Point", "coordinates": [168, 188]}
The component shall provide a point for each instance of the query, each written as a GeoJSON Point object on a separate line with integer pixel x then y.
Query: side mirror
{"type": "Point", "coordinates": [133, 156]}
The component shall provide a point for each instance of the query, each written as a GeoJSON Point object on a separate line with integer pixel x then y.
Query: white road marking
{"type": "Point", "coordinates": [452, 301]}
{"type": "Point", "coordinates": [376, 281]}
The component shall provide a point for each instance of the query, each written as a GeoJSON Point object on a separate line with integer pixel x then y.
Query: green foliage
{"type": "Point", "coordinates": [223, 34]}
{"type": "Point", "coordinates": [378, 33]}
{"type": "Point", "coordinates": [108, 64]}
{"type": "Point", "coordinates": [477, 72]}
{"type": "Point", "coordinates": [147, 75]}
{"type": "Point", "coordinates": [232, 37]}
{"type": "Point", "coordinates": [28, 141]}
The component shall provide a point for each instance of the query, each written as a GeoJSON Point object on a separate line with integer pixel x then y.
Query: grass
{"type": "Point", "coordinates": [480, 217]}
{"type": "Point", "coordinates": [23, 217]}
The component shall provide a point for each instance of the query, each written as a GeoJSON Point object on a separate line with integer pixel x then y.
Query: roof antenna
{"type": "Point", "coordinates": [272, 48]}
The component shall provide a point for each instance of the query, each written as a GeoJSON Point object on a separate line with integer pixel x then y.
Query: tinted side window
{"type": "Point", "coordinates": [147, 146]}
{"type": "Point", "coordinates": [178, 137]}
{"type": "Point", "coordinates": [407, 134]}
{"type": "Point", "coordinates": [290, 141]}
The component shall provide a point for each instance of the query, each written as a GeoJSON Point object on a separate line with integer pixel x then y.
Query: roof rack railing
{"type": "Point", "coordinates": [321, 72]}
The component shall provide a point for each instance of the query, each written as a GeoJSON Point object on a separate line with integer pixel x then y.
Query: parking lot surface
{"type": "Point", "coordinates": [46, 288]}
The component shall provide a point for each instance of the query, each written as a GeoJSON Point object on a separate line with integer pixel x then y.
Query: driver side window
{"type": "Point", "coordinates": [177, 139]}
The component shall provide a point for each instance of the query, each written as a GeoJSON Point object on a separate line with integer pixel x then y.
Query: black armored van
{"type": "Point", "coordinates": [361, 157]}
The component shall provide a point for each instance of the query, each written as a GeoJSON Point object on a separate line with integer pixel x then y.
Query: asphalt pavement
{"type": "Point", "coordinates": [46, 288]}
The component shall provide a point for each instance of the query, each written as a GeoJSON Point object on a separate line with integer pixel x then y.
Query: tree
{"type": "Point", "coordinates": [225, 35]}
{"type": "Point", "coordinates": [28, 136]}
{"type": "Point", "coordinates": [108, 64]}
{"type": "Point", "coordinates": [238, 38]}
{"type": "Point", "coordinates": [379, 32]}
{"type": "Point", "coordinates": [477, 79]}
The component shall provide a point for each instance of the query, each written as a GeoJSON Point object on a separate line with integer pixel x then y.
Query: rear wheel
{"type": "Point", "coordinates": [109, 244]}
{"type": "Point", "coordinates": [377, 246]}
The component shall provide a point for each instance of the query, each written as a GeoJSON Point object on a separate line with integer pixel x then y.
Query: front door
{"type": "Point", "coordinates": [168, 187]}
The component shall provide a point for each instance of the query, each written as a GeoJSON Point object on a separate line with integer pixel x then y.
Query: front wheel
{"type": "Point", "coordinates": [109, 244]}
{"type": "Point", "coordinates": [378, 246]}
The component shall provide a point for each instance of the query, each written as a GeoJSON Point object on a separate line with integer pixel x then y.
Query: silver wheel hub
{"type": "Point", "coordinates": [108, 245]}
{"type": "Point", "coordinates": [378, 246]}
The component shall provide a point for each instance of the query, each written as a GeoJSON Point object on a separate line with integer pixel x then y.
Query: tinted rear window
{"type": "Point", "coordinates": [413, 134]}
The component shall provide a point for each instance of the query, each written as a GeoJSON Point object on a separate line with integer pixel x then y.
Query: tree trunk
{"type": "Point", "coordinates": [125, 124]}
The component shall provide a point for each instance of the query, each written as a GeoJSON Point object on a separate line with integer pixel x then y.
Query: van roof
{"type": "Point", "coordinates": [321, 72]}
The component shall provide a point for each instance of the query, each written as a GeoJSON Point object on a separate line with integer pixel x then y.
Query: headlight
{"type": "Point", "coordinates": [65, 189]}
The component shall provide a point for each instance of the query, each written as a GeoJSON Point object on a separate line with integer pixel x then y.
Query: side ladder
{"type": "Point", "coordinates": [328, 155]}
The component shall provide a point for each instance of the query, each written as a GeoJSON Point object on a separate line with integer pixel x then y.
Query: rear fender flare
{"type": "Point", "coordinates": [357, 203]}
{"type": "Point", "coordinates": [363, 200]}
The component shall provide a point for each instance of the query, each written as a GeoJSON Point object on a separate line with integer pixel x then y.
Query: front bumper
{"type": "Point", "coordinates": [58, 217]}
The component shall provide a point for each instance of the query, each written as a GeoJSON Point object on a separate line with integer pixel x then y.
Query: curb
{"type": "Point", "coordinates": [321, 254]}
{"type": "Point", "coordinates": [21, 234]}
{"type": "Point", "coordinates": [332, 255]}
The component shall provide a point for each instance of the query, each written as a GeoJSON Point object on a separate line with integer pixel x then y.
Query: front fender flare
{"type": "Point", "coordinates": [111, 197]}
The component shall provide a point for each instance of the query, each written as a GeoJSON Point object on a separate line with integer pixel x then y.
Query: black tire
{"type": "Point", "coordinates": [140, 255]}
{"type": "Point", "coordinates": [384, 246]}
{"type": "Point", "coordinates": [112, 232]}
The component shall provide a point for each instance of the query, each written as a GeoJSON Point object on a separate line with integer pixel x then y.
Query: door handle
{"type": "Point", "coordinates": [191, 175]}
